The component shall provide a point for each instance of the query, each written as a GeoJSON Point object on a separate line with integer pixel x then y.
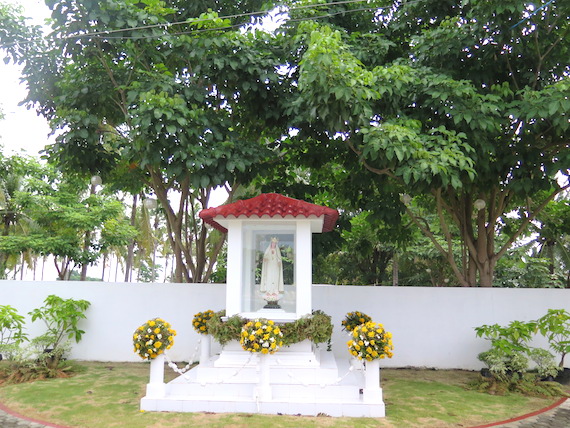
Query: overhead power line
{"type": "Point", "coordinates": [109, 33]}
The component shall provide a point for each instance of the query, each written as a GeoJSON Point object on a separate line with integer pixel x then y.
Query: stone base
{"type": "Point", "coordinates": [330, 388]}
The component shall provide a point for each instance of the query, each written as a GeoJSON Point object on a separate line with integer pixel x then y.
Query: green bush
{"type": "Point", "coordinates": [61, 317]}
{"type": "Point", "coordinates": [555, 326]}
{"type": "Point", "coordinates": [545, 363]}
{"type": "Point", "coordinates": [11, 330]}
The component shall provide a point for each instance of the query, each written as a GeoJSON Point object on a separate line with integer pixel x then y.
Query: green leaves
{"type": "Point", "coordinates": [441, 157]}
{"type": "Point", "coordinates": [61, 317]}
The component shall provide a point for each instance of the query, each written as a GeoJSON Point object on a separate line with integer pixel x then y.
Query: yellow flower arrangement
{"type": "Point", "coordinates": [153, 338]}
{"type": "Point", "coordinates": [200, 320]}
{"type": "Point", "coordinates": [261, 335]}
{"type": "Point", "coordinates": [354, 319]}
{"type": "Point", "coordinates": [369, 341]}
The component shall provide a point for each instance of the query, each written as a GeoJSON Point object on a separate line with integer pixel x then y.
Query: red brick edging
{"type": "Point", "coordinates": [528, 415]}
{"type": "Point", "coordinates": [19, 416]}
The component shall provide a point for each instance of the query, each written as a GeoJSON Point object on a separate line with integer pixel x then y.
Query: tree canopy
{"type": "Point", "coordinates": [166, 90]}
{"type": "Point", "coordinates": [449, 116]}
{"type": "Point", "coordinates": [463, 105]}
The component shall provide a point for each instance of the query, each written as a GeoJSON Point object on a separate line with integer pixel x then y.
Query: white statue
{"type": "Point", "coordinates": [272, 272]}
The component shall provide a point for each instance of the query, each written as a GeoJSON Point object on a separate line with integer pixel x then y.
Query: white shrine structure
{"type": "Point", "coordinates": [298, 379]}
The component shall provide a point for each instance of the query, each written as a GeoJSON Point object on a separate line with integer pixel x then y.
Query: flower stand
{"type": "Point", "coordinates": [263, 389]}
{"type": "Point", "coordinates": [372, 391]}
{"type": "Point", "coordinates": [156, 387]}
{"type": "Point", "coordinates": [205, 348]}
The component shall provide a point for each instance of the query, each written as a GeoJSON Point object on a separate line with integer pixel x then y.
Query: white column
{"type": "Point", "coordinates": [156, 387]}
{"type": "Point", "coordinates": [372, 390]}
{"type": "Point", "coordinates": [205, 345]}
{"type": "Point", "coordinates": [263, 389]}
{"type": "Point", "coordinates": [234, 270]}
{"type": "Point", "coordinates": [303, 267]}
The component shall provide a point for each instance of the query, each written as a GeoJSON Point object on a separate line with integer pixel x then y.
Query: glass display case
{"type": "Point", "coordinates": [268, 275]}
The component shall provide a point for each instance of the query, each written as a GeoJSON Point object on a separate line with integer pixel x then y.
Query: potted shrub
{"type": "Point", "coordinates": [545, 364]}
{"type": "Point", "coordinates": [61, 317]}
{"type": "Point", "coordinates": [509, 344]}
{"type": "Point", "coordinates": [11, 330]}
{"type": "Point", "coordinates": [555, 327]}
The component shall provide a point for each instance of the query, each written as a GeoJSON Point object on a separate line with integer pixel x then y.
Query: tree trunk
{"type": "Point", "coordinates": [87, 243]}
{"type": "Point", "coordinates": [550, 255]}
{"type": "Point", "coordinates": [103, 269]}
{"type": "Point", "coordinates": [395, 270]}
{"type": "Point", "coordinates": [131, 246]}
{"type": "Point", "coordinates": [471, 271]}
{"type": "Point", "coordinates": [486, 274]}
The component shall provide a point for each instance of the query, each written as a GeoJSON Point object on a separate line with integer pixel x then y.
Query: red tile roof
{"type": "Point", "coordinates": [270, 205]}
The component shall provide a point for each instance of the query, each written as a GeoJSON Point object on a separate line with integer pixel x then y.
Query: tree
{"type": "Point", "coordinates": [363, 257]}
{"type": "Point", "coordinates": [17, 174]}
{"type": "Point", "coordinates": [74, 227]}
{"type": "Point", "coordinates": [462, 104]}
{"type": "Point", "coordinates": [168, 89]}
{"type": "Point", "coordinates": [553, 228]}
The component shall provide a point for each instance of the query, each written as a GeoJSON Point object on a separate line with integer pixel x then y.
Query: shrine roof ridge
{"type": "Point", "coordinates": [270, 205]}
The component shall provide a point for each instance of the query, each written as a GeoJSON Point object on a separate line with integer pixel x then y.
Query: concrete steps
{"type": "Point", "coordinates": [332, 388]}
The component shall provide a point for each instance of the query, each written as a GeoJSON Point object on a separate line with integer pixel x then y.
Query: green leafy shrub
{"type": "Point", "coordinates": [545, 364]}
{"type": "Point", "coordinates": [555, 326]}
{"type": "Point", "coordinates": [61, 317]}
{"type": "Point", "coordinates": [11, 330]}
{"type": "Point", "coordinates": [507, 359]}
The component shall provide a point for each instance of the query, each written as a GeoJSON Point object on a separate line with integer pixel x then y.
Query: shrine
{"type": "Point", "coordinates": [269, 276]}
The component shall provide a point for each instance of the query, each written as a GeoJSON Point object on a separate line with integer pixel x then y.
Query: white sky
{"type": "Point", "coordinates": [21, 129]}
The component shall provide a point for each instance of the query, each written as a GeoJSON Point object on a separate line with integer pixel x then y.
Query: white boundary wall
{"type": "Point", "coordinates": [432, 327]}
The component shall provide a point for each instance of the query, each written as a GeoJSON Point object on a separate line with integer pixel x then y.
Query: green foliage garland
{"type": "Point", "coordinates": [317, 328]}
{"type": "Point", "coordinates": [225, 331]}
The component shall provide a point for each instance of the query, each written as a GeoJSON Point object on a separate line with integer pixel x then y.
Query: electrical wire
{"type": "Point", "coordinates": [195, 31]}
{"type": "Point", "coordinates": [531, 15]}
{"type": "Point", "coordinates": [108, 33]}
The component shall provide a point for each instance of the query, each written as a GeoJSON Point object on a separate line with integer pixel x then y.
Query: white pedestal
{"type": "Point", "coordinates": [332, 389]}
{"type": "Point", "coordinates": [156, 387]}
{"type": "Point", "coordinates": [301, 354]}
{"type": "Point", "coordinates": [205, 348]}
{"type": "Point", "coordinates": [372, 391]}
{"type": "Point", "coordinates": [263, 390]}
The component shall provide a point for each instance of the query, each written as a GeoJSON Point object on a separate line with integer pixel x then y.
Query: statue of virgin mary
{"type": "Point", "coordinates": [272, 272]}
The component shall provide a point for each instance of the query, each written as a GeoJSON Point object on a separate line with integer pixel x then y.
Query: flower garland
{"type": "Point", "coordinates": [316, 327]}
{"type": "Point", "coordinates": [354, 319]}
{"type": "Point", "coordinates": [261, 335]}
{"type": "Point", "coordinates": [152, 338]}
{"type": "Point", "coordinates": [200, 321]}
{"type": "Point", "coordinates": [370, 341]}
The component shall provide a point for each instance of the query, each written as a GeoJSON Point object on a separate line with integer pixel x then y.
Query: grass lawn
{"type": "Point", "coordinates": [105, 395]}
